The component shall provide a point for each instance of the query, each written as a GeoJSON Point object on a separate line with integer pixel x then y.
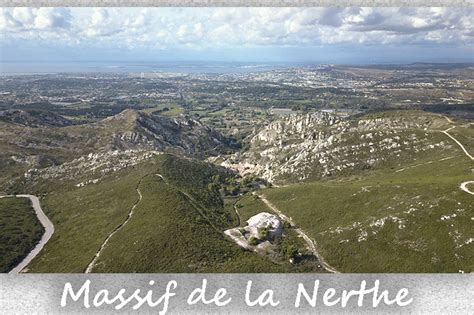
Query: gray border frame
{"type": "Point", "coordinates": [235, 3]}
{"type": "Point", "coordinates": [434, 293]}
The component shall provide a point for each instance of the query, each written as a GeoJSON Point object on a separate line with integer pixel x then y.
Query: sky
{"type": "Point", "coordinates": [299, 35]}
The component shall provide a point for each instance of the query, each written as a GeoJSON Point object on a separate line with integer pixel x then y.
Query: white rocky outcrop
{"type": "Point", "coordinates": [299, 147]}
{"type": "Point", "coordinates": [264, 220]}
{"type": "Point", "coordinates": [96, 164]}
{"type": "Point", "coordinates": [243, 236]}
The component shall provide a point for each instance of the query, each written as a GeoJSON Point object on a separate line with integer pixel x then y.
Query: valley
{"type": "Point", "coordinates": [330, 170]}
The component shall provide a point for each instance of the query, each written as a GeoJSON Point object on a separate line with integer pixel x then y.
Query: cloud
{"type": "Point", "coordinates": [103, 23]}
{"type": "Point", "coordinates": [31, 19]}
{"type": "Point", "coordinates": [52, 18]}
{"type": "Point", "coordinates": [229, 27]}
{"type": "Point", "coordinates": [331, 17]}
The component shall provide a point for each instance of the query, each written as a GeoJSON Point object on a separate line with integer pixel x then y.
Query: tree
{"type": "Point", "coordinates": [213, 186]}
{"type": "Point", "coordinates": [248, 180]}
{"type": "Point", "coordinates": [233, 190]}
{"type": "Point", "coordinates": [216, 178]}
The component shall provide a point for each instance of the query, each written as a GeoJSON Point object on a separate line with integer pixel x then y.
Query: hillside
{"type": "Point", "coordinates": [182, 135]}
{"type": "Point", "coordinates": [34, 118]}
{"type": "Point", "coordinates": [378, 192]}
{"type": "Point", "coordinates": [319, 145]}
{"type": "Point", "coordinates": [20, 230]}
{"type": "Point", "coordinates": [407, 213]}
{"type": "Point", "coordinates": [177, 225]}
{"type": "Point", "coordinates": [416, 220]}
{"type": "Point", "coordinates": [23, 148]}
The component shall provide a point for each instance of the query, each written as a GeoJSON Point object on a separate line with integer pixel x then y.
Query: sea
{"type": "Point", "coordinates": [28, 68]}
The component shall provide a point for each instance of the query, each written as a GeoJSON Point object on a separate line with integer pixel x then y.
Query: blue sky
{"type": "Point", "coordinates": [310, 35]}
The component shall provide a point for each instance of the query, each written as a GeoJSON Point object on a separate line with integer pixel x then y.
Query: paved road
{"type": "Point", "coordinates": [311, 244]}
{"type": "Point", "coordinates": [48, 232]}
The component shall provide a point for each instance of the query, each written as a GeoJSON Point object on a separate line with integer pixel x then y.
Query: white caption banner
{"type": "Point", "coordinates": [237, 293]}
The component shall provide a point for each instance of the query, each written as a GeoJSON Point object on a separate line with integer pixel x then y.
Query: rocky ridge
{"type": "Point", "coordinates": [182, 134]}
{"type": "Point", "coordinates": [129, 130]}
{"type": "Point", "coordinates": [96, 165]}
{"type": "Point", "coordinates": [34, 118]}
{"type": "Point", "coordinates": [316, 145]}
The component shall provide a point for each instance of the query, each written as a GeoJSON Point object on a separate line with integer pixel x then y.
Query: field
{"type": "Point", "coordinates": [20, 230]}
{"type": "Point", "coordinates": [464, 134]}
{"type": "Point", "coordinates": [166, 109]}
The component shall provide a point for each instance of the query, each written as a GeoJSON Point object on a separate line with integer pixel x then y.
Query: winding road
{"type": "Point", "coordinates": [458, 143]}
{"type": "Point", "coordinates": [48, 232]}
{"type": "Point", "coordinates": [311, 244]}
{"type": "Point", "coordinates": [462, 186]}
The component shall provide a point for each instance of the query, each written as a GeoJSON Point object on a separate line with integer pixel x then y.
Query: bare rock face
{"type": "Point", "coordinates": [299, 126]}
{"type": "Point", "coordinates": [26, 147]}
{"type": "Point", "coordinates": [301, 147]}
{"type": "Point", "coordinates": [264, 220]}
{"type": "Point", "coordinates": [259, 234]}
{"type": "Point", "coordinates": [182, 134]}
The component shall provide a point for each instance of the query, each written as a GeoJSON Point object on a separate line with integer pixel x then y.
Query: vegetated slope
{"type": "Point", "coordinates": [387, 196]}
{"type": "Point", "coordinates": [82, 216]}
{"type": "Point", "coordinates": [319, 145]}
{"type": "Point", "coordinates": [290, 246]}
{"type": "Point", "coordinates": [175, 227]}
{"type": "Point", "coordinates": [248, 206]}
{"type": "Point", "coordinates": [413, 218]}
{"type": "Point", "coordinates": [20, 230]}
{"type": "Point", "coordinates": [169, 234]}
{"type": "Point", "coordinates": [465, 134]}
{"type": "Point", "coordinates": [181, 135]}
{"type": "Point", "coordinates": [34, 118]}
{"type": "Point", "coordinates": [23, 148]}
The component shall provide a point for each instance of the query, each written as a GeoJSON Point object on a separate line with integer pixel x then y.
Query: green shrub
{"type": "Point", "coordinates": [263, 232]}
{"type": "Point", "coordinates": [19, 233]}
{"type": "Point", "coordinates": [289, 251]}
{"type": "Point", "coordinates": [253, 241]}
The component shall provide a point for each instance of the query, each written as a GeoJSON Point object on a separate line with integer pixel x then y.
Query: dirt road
{"type": "Point", "coordinates": [311, 244]}
{"type": "Point", "coordinates": [463, 187]}
{"type": "Point", "coordinates": [104, 244]}
{"type": "Point", "coordinates": [457, 142]}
